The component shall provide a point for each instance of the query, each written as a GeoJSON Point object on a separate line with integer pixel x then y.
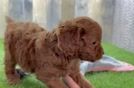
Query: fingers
{"type": "Point", "coordinates": [70, 82]}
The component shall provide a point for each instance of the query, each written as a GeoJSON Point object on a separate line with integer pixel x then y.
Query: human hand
{"type": "Point", "coordinates": [70, 82]}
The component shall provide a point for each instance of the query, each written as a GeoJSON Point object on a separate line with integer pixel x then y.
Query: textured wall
{"type": "Point", "coordinates": [67, 9]}
{"type": "Point", "coordinates": [123, 31]}
{"type": "Point", "coordinates": [81, 8]}
{"type": "Point", "coordinates": [53, 13]}
{"type": "Point", "coordinates": [107, 15]}
{"type": "Point", "coordinates": [39, 12]}
{"type": "Point", "coordinates": [21, 10]}
{"type": "Point", "coordinates": [3, 13]}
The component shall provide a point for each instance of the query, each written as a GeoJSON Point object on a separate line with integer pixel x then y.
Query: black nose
{"type": "Point", "coordinates": [92, 60]}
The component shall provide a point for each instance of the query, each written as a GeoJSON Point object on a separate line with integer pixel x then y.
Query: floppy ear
{"type": "Point", "coordinates": [69, 37]}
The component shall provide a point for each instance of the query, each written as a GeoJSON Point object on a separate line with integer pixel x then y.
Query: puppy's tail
{"type": "Point", "coordinates": [10, 23]}
{"type": "Point", "coordinates": [9, 20]}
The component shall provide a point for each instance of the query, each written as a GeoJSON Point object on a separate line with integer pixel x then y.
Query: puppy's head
{"type": "Point", "coordinates": [80, 37]}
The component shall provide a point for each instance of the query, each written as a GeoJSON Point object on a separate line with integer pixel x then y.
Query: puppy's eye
{"type": "Point", "coordinates": [94, 43]}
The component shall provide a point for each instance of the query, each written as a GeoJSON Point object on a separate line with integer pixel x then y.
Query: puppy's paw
{"type": "Point", "coordinates": [21, 73]}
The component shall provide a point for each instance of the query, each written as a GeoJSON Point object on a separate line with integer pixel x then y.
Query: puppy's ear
{"type": "Point", "coordinates": [69, 37]}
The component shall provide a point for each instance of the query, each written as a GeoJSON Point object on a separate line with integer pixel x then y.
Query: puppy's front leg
{"type": "Point", "coordinates": [50, 79]}
{"type": "Point", "coordinates": [10, 64]}
{"type": "Point", "coordinates": [79, 79]}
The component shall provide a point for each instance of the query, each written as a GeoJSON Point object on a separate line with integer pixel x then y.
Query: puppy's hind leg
{"type": "Point", "coordinates": [10, 64]}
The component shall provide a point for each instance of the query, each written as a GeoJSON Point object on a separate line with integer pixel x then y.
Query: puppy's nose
{"type": "Point", "coordinates": [99, 52]}
{"type": "Point", "coordinates": [92, 60]}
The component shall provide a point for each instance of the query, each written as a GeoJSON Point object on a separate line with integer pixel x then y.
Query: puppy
{"type": "Point", "coordinates": [52, 55]}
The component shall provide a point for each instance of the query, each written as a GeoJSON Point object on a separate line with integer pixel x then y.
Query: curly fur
{"type": "Point", "coordinates": [52, 55]}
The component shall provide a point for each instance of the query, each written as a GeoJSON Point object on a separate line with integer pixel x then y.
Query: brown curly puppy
{"type": "Point", "coordinates": [52, 55]}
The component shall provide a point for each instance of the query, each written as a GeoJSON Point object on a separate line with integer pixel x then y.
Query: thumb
{"type": "Point", "coordinates": [70, 82]}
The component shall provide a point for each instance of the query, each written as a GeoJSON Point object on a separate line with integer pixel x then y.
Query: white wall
{"type": "Point", "coordinates": [3, 13]}
{"type": "Point", "coordinates": [67, 9]}
{"type": "Point", "coordinates": [39, 12]}
{"type": "Point", "coordinates": [123, 31]}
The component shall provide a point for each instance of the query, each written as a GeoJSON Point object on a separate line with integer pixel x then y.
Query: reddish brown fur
{"type": "Point", "coordinates": [52, 55]}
